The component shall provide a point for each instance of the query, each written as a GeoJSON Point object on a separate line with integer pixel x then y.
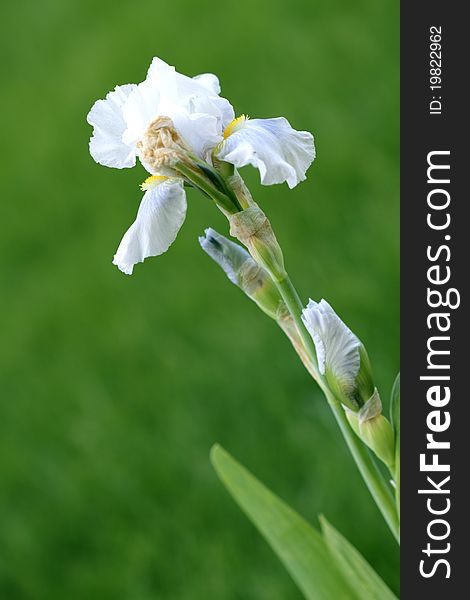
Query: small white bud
{"type": "Point", "coordinates": [244, 272]}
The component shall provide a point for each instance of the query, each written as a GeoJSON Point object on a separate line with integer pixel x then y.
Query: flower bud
{"type": "Point", "coordinates": [244, 272]}
{"type": "Point", "coordinates": [374, 429]}
{"type": "Point", "coordinates": [337, 350]}
{"type": "Point", "coordinates": [253, 229]}
{"type": "Point", "coordinates": [395, 419]}
{"type": "Point", "coordinates": [342, 358]}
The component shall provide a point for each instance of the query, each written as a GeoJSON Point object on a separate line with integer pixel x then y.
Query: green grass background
{"type": "Point", "coordinates": [114, 388]}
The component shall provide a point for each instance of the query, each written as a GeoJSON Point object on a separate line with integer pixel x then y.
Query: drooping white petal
{"type": "Point", "coordinates": [336, 345]}
{"type": "Point", "coordinates": [160, 216]}
{"type": "Point", "coordinates": [278, 151]}
{"type": "Point", "coordinates": [106, 117]}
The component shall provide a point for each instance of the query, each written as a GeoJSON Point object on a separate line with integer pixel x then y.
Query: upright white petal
{"type": "Point", "coordinates": [272, 146]}
{"type": "Point", "coordinates": [198, 94]}
{"type": "Point", "coordinates": [209, 81]}
{"type": "Point", "coordinates": [106, 144]}
{"type": "Point", "coordinates": [141, 108]}
{"type": "Point", "coordinates": [160, 216]}
{"type": "Point", "coordinates": [336, 345]}
{"type": "Point", "coordinates": [197, 116]}
{"type": "Point", "coordinates": [163, 77]}
{"type": "Point", "coordinates": [224, 110]}
{"type": "Point", "coordinates": [198, 112]}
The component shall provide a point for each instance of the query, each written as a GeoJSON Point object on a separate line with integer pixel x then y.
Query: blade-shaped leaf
{"type": "Point", "coordinates": [299, 546]}
{"type": "Point", "coordinates": [354, 567]}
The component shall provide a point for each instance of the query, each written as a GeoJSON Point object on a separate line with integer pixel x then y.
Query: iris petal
{"type": "Point", "coordinates": [106, 116]}
{"type": "Point", "coordinates": [272, 146]}
{"type": "Point", "coordinates": [159, 219]}
{"type": "Point", "coordinates": [336, 345]}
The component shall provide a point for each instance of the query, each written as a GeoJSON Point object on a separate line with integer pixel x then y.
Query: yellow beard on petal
{"type": "Point", "coordinates": [234, 125]}
{"type": "Point", "coordinates": [151, 182]}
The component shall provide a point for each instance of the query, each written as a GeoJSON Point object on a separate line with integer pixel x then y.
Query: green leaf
{"type": "Point", "coordinates": [299, 546]}
{"type": "Point", "coordinates": [354, 567]}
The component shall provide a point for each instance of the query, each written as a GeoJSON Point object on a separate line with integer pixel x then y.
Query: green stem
{"type": "Point", "coordinates": [294, 304]}
{"type": "Point", "coordinates": [373, 478]}
{"type": "Point", "coordinates": [226, 203]}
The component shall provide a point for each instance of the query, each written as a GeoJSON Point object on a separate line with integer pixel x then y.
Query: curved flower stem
{"type": "Point", "coordinates": [373, 478]}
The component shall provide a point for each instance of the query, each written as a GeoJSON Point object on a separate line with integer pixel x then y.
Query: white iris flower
{"type": "Point", "coordinates": [337, 348]}
{"type": "Point", "coordinates": [170, 117]}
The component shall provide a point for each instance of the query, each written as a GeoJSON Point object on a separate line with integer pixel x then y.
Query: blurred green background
{"type": "Point", "coordinates": [114, 388]}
